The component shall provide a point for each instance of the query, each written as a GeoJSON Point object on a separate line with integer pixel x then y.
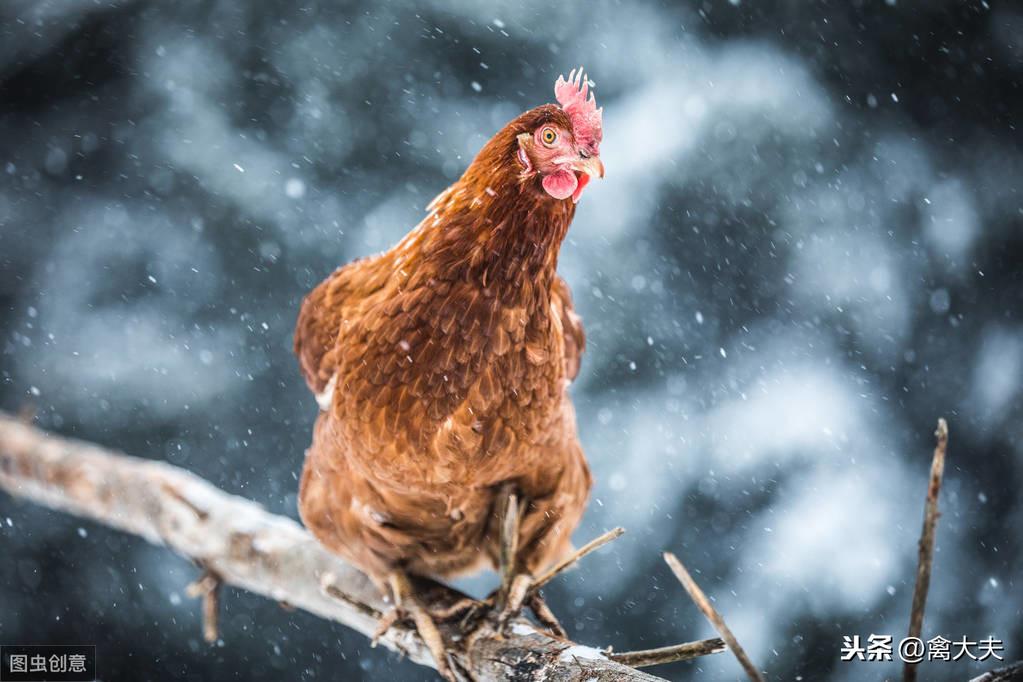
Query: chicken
{"type": "Point", "coordinates": [441, 368]}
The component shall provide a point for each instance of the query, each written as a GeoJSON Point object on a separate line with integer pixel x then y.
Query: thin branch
{"type": "Point", "coordinates": [247, 547]}
{"type": "Point", "coordinates": [572, 559]}
{"type": "Point", "coordinates": [208, 587]}
{"type": "Point", "coordinates": [923, 571]}
{"type": "Point", "coordinates": [1010, 673]}
{"type": "Point", "coordinates": [211, 614]}
{"type": "Point", "coordinates": [669, 654]}
{"type": "Point", "coordinates": [712, 615]}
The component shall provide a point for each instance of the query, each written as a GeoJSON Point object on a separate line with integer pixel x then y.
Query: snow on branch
{"type": "Point", "coordinates": [237, 542]}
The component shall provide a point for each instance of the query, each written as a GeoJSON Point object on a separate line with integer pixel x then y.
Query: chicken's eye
{"type": "Point", "coordinates": [548, 136]}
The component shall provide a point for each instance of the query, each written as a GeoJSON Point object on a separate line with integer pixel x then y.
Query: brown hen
{"type": "Point", "coordinates": [441, 368]}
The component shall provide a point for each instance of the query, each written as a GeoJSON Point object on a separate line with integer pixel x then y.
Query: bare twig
{"type": "Point", "coordinates": [202, 585]}
{"type": "Point", "coordinates": [712, 615]}
{"type": "Point", "coordinates": [208, 587]}
{"type": "Point", "coordinates": [669, 654]}
{"type": "Point", "coordinates": [923, 571]}
{"type": "Point", "coordinates": [571, 560]}
{"type": "Point", "coordinates": [211, 614]}
{"type": "Point", "coordinates": [248, 547]}
{"type": "Point", "coordinates": [1010, 673]}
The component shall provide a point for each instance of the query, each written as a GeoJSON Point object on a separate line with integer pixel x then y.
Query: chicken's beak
{"type": "Point", "coordinates": [592, 166]}
{"type": "Point", "coordinates": [586, 168]}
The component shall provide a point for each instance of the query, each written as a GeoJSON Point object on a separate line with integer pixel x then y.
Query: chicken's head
{"type": "Point", "coordinates": [564, 148]}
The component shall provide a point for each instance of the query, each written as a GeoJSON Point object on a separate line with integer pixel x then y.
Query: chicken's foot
{"type": "Point", "coordinates": [519, 588]}
{"type": "Point", "coordinates": [515, 584]}
{"type": "Point", "coordinates": [514, 600]}
{"type": "Point", "coordinates": [538, 605]}
{"type": "Point", "coordinates": [406, 604]}
{"type": "Point", "coordinates": [456, 610]}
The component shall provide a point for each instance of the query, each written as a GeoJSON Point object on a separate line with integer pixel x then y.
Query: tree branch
{"type": "Point", "coordinates": [926, 558]}
{"type": "Point", "coordinates": [241, 544]}
{"type": "Point", "coordinates": [703, 603]}
{"type": "Point", "coordinates": [670, 654]}
{"type": "Point", "coordinates": [1010, 673]}
{"type": "Point", "coordinates": [573, 558]}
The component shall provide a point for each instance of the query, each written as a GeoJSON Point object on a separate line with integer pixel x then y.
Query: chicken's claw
{"type": "Point", "coordinates": [517, 588]}
{"type": "Point", "coordinates": [538, 605]}
{"type": "Point", "coordinates": [462, 607]}
{"type": "Point", "coordinates": [385, 623]}
{"type": "Point", "coordinates": [407, 605]}
{"type": "Point", "coordinates": [514, 598]}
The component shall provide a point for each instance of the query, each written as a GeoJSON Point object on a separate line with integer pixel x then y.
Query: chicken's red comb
{"type": "Point", "coordinates": [582, 111]}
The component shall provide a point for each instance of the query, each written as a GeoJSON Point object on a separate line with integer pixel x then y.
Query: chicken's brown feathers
{"type": "Point", "coordinates": [442, 367]}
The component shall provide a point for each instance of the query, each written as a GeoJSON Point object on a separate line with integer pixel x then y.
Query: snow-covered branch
{"type": "Point", "coordinates": [239, 543]}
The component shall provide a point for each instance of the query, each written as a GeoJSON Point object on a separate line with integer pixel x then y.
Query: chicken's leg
{"type": "Point", "coordinates": [508, 551]}
{"type": "Point", "coordinates": [517, 587]}
{"type": "Point", "coordinates": [407, 604]}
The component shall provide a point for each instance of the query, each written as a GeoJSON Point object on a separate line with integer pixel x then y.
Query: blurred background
{"type": "Point", "coordinates": [807, 248]}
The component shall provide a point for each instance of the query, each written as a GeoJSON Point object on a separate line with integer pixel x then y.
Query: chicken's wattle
{"type": "Point", "coordinates": [560, 185]}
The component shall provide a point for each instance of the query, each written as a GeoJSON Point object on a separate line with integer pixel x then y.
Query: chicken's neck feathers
{"type": "Point", "coordinates": [496, 228]}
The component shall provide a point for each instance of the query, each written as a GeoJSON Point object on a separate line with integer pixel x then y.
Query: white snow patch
{"type": "Point", "coordinates": [522, 630]}
{"type": "Point", "coordinates": [581, 652]}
